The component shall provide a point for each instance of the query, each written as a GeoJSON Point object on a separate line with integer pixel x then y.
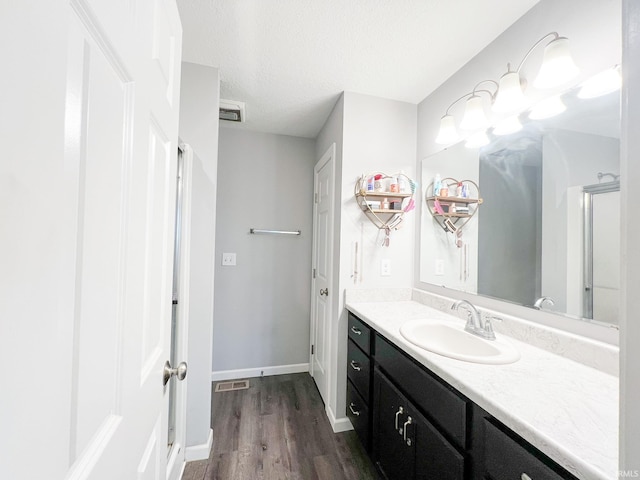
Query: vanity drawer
{"type": "Point", "coordinates": [358, 414]}
{"type": "Point", "coordinates": [442, 405]}
{"type": "Point", "coordinates": [358, 369]}
{"type": "Point", "coordinates": [359, 333]}
{"type": "Point", "coordinates": [507, 458]}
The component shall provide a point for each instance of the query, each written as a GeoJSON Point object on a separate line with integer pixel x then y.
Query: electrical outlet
{"type": "Point", "coordinates": [229, 259]}
{"type": "Point", "coordinates": [439, 267]}
{"type": "Point", "coordinates": [385, 267]}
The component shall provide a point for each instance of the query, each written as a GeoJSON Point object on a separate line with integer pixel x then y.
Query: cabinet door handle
{"type": "Point", "coordinates": [357, 331]}
{"type": "Point", "coordinates": [398, 413]}
{"type": "Point", "coordinates": [408, 422]}
{"type": "Point", "coordinates": [524, 476]}
{"type": "Point", "coordinates": [356, 412]}
{"type": "Point", "coordinates": [355, 366]}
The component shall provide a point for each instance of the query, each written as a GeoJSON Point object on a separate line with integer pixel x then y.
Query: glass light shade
{"type": "Point", "coordinates": [448, 133]}
{"type": "Point", "coordinates": [510, 98]}
{"type": "Point", "coordinates": [508, 126]}
{"type": "Point", "coordinates": [601, 84]}
{"type": "Point", "coordinates": [474, 117]}
{"type": "Point", "coordinates": [547, 108]}
{"type": "Point", "coordinates": [557, 66]}
{"type": "Point", "coordinates": [477, 140]}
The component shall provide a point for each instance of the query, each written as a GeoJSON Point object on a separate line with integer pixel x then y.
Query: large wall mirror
{"type": "Point", "coordinates": [547, 234]}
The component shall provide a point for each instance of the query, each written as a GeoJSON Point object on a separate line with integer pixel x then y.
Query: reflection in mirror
{"type": "Point", "coordinates": [547, 233]}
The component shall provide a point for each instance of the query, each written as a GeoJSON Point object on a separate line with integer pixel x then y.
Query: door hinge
{"type": "Point", "coordinates": [312, 349]}
{"type": "Point", "coordinates": [314, 273]}
{"type": "Point", "coordinates": [315, 197]}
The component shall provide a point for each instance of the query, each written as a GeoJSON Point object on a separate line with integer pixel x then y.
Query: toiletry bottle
{"type": "Point", "coordinates": [465, 191]}
{"type": "Point", "coordinates": [377, 185]}
{"type": "Point", "coordinates": [370, 184]}
{"type": "Point", "coordinates": [402, 182]}
{"type": "Point", "coordinates": [393, 185]}
{"type": "Point", "coordinates": [385, 204]}
{"type": "Point", "coordinates": [459, 189]}
{"type": "Point", "coordinates": [437, 185]}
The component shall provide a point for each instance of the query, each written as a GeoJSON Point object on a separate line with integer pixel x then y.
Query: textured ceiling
{"type": "Point", "coordinates": [289, 60]}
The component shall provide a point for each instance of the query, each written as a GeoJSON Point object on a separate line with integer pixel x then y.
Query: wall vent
{"type": "Point", "coordinates": [232, 111]}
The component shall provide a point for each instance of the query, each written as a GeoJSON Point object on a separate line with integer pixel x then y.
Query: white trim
{"type": "Point", "coordinates": [324, 386]}
{"type": "Point", "coordinates": [259, 372]}
{"type": "Point", "coordinates": [338, 424]}
{"type": "Point", "coordinates": [199, 452]}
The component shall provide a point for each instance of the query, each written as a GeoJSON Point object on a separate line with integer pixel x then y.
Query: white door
{"type": "Point", "coordinates": [87, 207]}
{"type": "Point", "coordinates": [321, 285]}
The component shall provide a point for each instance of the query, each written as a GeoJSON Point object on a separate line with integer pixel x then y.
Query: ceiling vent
{"type": "Point", "coordinates": [232, 111]}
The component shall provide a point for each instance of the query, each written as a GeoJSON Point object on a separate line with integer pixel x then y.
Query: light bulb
{"type": "Point", "coordinates": [474, 117]}
{"type": "Point", "coordinates": [557, 66]}
{"type": "Point", "coordinates": [601, 84]}
{"type": "Point", "coordinates": [510, 98]}
{"type": "Point", "coordinates": [448, 134]}
{"type": "Point", "coordinates": [547, 108]}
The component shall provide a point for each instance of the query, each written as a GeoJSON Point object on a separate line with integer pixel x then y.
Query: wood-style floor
{"type": "Point", "coordinates": [276, 430]}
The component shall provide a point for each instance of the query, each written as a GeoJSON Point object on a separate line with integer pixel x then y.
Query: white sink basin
{"type": "Point", "coordinates": [452, 341]}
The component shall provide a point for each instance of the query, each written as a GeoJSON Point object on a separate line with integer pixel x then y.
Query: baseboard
{"type": "Point", "coordinates": [338, 424]}
{"type": "Point", "coordinates": [199, 452]}
{"type": "Point", "coordinates": [258, 372]}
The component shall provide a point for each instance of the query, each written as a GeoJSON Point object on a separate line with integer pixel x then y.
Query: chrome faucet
{"type": "Point", "coordinates": [540, 303]}
{"type": "Point", "coordinates": [474, 321]}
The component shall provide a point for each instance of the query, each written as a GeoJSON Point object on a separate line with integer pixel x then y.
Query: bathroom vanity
{"type": "Point", "coordinates": [423, 415]}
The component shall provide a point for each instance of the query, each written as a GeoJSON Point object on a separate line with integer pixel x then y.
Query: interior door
{"type": "Point", "coordinates": [93, 242]}
{"type": "Point", "coordinates": [321, 293]}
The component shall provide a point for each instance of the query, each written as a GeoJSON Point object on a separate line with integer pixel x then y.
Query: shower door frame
{"type": "Point", "coordinates": [588, 192]}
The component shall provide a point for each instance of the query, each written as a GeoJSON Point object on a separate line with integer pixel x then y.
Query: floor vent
{"type": "Point", "coordinates": [230, 386]}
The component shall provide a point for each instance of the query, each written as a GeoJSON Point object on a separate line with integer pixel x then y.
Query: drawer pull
{"type": "Point", "coordinates": [356, 412]}
{"type": "Point", "coordinates": [356, 330]}
{"type": "Point", "coordinates": [524, 476]}
{"type": "Point", "coordinates": [355, 366]}
{"type": "Point", "coordinates": [408, 422]}
{"type": "Point", "coordinates": [398, 413]}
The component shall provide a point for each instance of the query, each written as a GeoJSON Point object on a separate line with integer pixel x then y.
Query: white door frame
{"type": "Point", "coordinates": [176, 461]}
{"type": "Point", "coordinates": [328, 156]}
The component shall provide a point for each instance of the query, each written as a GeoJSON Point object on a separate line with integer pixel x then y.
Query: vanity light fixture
{"type": "Point", "coordinates": [557, 69]}
{"type": "Point", "coordinates": [601, 84]}
{"type": "Point", "coordinates": [474, 115]}
{"type": "Point", "coordinates": [547, 108]}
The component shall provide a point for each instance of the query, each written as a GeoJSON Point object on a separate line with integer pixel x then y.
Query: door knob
{"type": "Point", "coordinates": [180, 371]}
{"type": "Point", "coordinates": [324, 291]}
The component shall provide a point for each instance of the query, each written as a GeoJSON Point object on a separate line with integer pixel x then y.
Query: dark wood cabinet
{"type": "Point", "coordinates": [406, 445]}
{"type": "Point", "coordinates": [359, 379]}
{"type": "Point", "coordinates": [417, 426]}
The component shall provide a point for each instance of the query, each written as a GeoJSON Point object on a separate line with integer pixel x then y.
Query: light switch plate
{"type": "Point", "coordinates": [229, 259]}
{"type": "Point", "coordinates": [385, 267]}
{"type": "Point", "coordinates": [439, 267]}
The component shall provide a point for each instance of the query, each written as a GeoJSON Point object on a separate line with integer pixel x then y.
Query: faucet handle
{"type": "Point", "coordinates": [488, 332]}
{"type": "Point", "coordinates": [488, 327]}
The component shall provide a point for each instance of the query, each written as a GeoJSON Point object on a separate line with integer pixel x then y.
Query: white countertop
{"type": "Point", "coordinates": [564, 408]}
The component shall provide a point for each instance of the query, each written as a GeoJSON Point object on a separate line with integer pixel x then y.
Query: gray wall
{"type": "Point", "coordinates": [199, 102]}
{"type": "Point", "coordinates": [262, 305]}
{"type": "Point", "coordinates": [371, 134]}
